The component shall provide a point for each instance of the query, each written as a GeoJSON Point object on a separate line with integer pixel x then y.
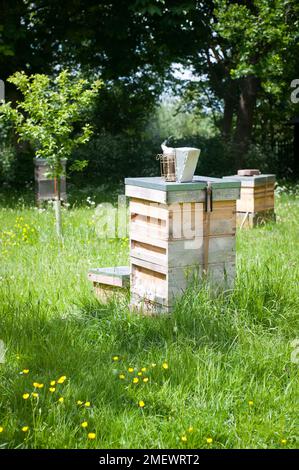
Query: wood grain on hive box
{"type": "Point", "coordinates": [171, 236]}
{"type": "Point", "coordinates": [256, 203]}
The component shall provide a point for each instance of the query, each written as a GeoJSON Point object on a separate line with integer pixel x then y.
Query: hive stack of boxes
{"type": "Point", "coordinates": [178, 236]}
{"type": "Point", "coordinates": [256, 203]}
{"type": "Point", "coordinates": [184, 232]}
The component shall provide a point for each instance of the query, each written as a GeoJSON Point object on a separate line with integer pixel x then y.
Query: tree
{"type": "Point", "coordinates": [49, 118]}
{"type": "Point", "coordinates": [18, 43]}
{"type": "Point", "coordinates": [262, 36]}
{"type": "Point", "coordinates": [131, 43]}
{"type": "Point", "coordinates": [250, 52]}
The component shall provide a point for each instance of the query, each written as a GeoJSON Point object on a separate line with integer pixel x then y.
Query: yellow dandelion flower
{"type": "Point", "coordinates": [84, 424]}
{"type": "Point", "coordinates": [1, 429]}
{"type": "Point", "coordinates": [26, 396]}
{"type": "Point", "coordinates": [209, 440]}
{"type": "Point", "coordinates": [250, 403]}
{"type": "Point", "coordinates": [52, 389]}
{"type": "Point", "coordinates": [25, 371]}
{"type": "Point", "coordinates": [184, 438]}
{"type": "Point", "coordinates": [141, 403]}
{"type": "Point", "coordinates": [121, 376]}
{"type": "Point", "coordinates": [139, 373]}
{"type": "Point", "coordinates": [91, 435]}
{"type": "Point", "coordinates": [115, 358]}
{"type": "Point", "coordinates": [34, 395]}
{"type": "Point", "coordinates": [143, 369]}
{"type": "Point", "coordinates": [87, 404]}
{"type": "Point", "coordinates": [145, 380]}
{"type": "Point", "coordinates": [61, 379]}
{"type": "Point", "coordinates": [190, 429]}
{"type": "Point", "coordinates": [25, 428]}
{"type": "Point", "coordinates": [35, 384]}
{"type": "Point", "coordinates": [135, 380]}
{"type": "Point", "coordinates": [165, 365]}
{"type": "Point", "coordinates": [79, 402]}
{"type": "Point", "coordinates": [61, 400]}
{"type": "Point", "coordinates": [283, 441]}
{"type": "Point", "coordinates": [40, 385]}
{"type": "Point", "coordinates": [52, 383]}
{"type": "Point", "coordinates": [130, 369]}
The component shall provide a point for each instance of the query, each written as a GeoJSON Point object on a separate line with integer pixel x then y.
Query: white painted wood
{"type": "Point", "coordinates": [149, 209]}
{"type": "Point", "coordinates": [146, 193]}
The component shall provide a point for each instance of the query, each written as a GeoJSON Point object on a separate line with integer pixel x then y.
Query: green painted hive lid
{"type": "Point", "coordinates": [198, 182]}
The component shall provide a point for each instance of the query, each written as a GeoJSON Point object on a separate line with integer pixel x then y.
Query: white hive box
{"type": "Point", "coordinates": [176, 235]}
{"type": "Point", "coordinates": [45, 187]}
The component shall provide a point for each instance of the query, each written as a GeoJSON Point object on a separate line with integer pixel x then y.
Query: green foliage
{"type": "Point", "coordinates": [7, 159]}
{"type": "Point", "coordinates": [244, 67]}
{"type": "Point", "coordinates": [262, 34]}
{"type": "Point", "coordinates": [113, 157]}
{"type": "Point", "coordinates": [78, 165]}
{"type": "Point", "coordinates": [7, 152]}
{"type": "Point", "coordinates": [173, 119]}
{"type": "Point", "coordinates": [48, 113]}
{"type": "Point", "coordinates": [15, 38]}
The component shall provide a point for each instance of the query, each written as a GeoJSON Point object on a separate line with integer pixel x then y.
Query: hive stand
{"type": "Point", "coordinates": [178, 232]}
{"type": "Point", "coordinates": [110, 283]}
{"type": "Point", "coordinates": [256, 204]}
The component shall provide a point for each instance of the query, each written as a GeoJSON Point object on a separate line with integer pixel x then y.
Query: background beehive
{"type": "Point", "coordinates": [256, 198]}
{"type": "Point", "coordinates": [164, 256]}
{"type": "Point", "coordinates": [45, 187]}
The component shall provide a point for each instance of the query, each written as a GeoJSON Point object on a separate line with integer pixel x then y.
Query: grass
{"type": "Point", "coordinates": [230, 377]}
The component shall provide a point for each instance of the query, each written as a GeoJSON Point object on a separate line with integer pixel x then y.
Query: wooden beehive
{"type": "Point", "coordinates": [256, 203]}
{"type": "Point", "coordinates": [176, 235]}
{"type": "Point", "coordinates": [45, 187]}
{"type": "Point", "coordinates": [110, 283]}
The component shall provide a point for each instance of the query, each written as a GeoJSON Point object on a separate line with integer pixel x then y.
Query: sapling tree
{"type": "Point", "coordinates": [50, 117]}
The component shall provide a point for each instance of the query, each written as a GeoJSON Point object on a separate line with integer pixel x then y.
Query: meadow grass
{"type": "Point", "coordinates": [227, 374]}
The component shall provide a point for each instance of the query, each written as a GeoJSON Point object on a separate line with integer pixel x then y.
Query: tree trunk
{"type": "Point", "coordinates": [57, 205]}
{"type": "Point", "coordinates": [230, 100]}
{"type": "Point", "coordinates": [247, 102]}
{"type": "Point", "coordinates": [227, 118]}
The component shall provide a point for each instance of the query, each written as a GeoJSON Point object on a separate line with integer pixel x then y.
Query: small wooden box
{"type": "Point", "coordinates": [110, 283]}
{"type": "Point", "coordinates": [174, 238]}
{"type": "Point", "coordinates": [256, 204]}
